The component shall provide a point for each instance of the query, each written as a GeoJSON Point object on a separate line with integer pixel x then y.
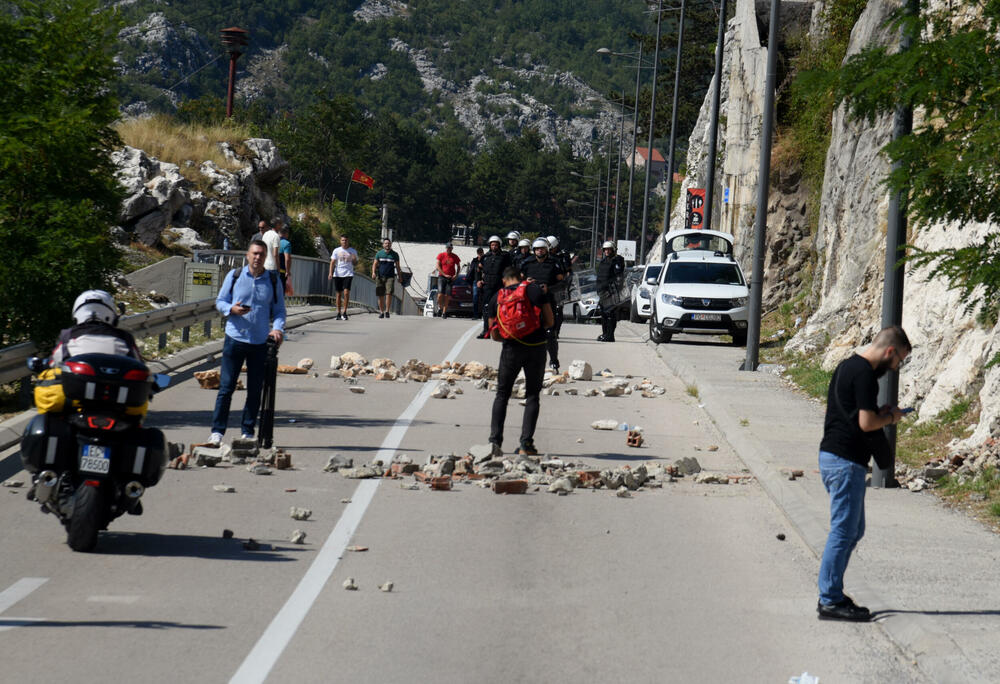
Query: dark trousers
{"type": "Point", "coordinates": [234, 354]}
{"type": "Point", "coordinates": [513, 358]}
{"type": "Point", "coordinates": [609, 321]}
{"type": "Point", "coordinates": [477, 301]}
{"type": "Point", "coordinates": [488, 292]}
{"type": "Point", "coordinates": [557, 315]}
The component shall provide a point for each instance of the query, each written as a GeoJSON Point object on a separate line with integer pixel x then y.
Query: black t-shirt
{"type": "Point", "coordinates": [537, 299]}
{"type": "Point", "coordinates": [853, 388]}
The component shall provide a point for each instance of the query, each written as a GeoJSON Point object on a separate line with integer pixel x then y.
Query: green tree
{"type": "Point", "coordinates": [58, 194]}
{"type": "Point", "coordinates": [947, 165]}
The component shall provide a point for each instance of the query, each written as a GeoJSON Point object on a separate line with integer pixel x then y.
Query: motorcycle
{"type": "Point", "coordinates": [90, 457]}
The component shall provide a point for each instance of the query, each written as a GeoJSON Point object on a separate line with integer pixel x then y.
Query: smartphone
{"type": "Point", "coordinates": [908, 410]}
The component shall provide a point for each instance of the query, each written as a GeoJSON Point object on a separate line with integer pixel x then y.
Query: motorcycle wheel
{"type": "Point", "coordinates": [86, 520]}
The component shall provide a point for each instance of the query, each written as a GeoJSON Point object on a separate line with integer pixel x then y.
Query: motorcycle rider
{"type": "Point", "coordinates": [610, 271]}
{"type": "Point", "coordinates": [494, 263]}
{"type": "Point", "coordinates": [96, 316]}
{"type": "Point", "coordinates": [544, 271]}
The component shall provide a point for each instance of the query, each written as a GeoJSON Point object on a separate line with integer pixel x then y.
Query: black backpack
{"type": "Point", "coordinates": [274, 282]}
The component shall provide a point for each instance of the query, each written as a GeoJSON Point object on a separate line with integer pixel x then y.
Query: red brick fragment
{"type": "Point", "coordinates": [441, 484]}
{"type": "Point", "coordinates": [510, 486]}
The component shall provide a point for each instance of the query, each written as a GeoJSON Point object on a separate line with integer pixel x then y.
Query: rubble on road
{"type": "Point", "coordinates": [297, 513]}
{"type": "Point", "coordinates": [292, 370]}
{"type": "Point", "coordinates": [13, 483]}
{"type": "Point", "coordinates": [605, 424]}
{"type": "Point", "coordinates": [298, 537]}
{"type": "Point", "coordinates": [210, 379]}
{"type": "Point", "coordinates": [225, 489]}
{"type": "Point", "coordinates": [336, 462]}
{"type": "Point", "coordinates": [386, 587]}
{"type": "Point", "coordinates": [350, 584]}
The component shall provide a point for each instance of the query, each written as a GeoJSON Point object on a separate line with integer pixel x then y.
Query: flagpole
{"type": "Point", "coordinates": [348, 193]}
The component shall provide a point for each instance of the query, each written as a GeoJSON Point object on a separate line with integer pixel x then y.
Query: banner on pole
{"type": "Point", "coordinates": [695, 217]}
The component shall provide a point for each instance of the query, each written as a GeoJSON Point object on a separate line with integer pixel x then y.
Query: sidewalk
{"type": "Point", "coordinates": [927, 572]}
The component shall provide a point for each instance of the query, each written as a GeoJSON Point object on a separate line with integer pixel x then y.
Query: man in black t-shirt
{"type": "Point", "coordinates": [527, 353]}
{"type": "Point", "coordinates": [852, 434]}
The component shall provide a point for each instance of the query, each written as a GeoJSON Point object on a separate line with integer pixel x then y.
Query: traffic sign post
{"type": "Point", "coordinates": [626, 249]}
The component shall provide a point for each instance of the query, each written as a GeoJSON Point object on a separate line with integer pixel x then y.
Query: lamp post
{"type": "Point", "coordinates": [673, 135]}
{"type": "Point", "coordinates": [618, 175]}
{"type": "Point", "coordinates": [235, 39]}
{"type": "Point", "coordinates": [713, 135]}
{"type": "Point", "coordinates": [649, 149]}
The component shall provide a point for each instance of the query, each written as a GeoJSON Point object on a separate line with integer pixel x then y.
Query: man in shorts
{"type": "Point", "coordinates": [342, 263]}
{"type": "Point", "coordinates": [447, 268]}
{"type": "Point", "coordinates": [385, 268]}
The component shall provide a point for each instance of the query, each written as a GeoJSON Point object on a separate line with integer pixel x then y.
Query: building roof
{"type": "Point", "coordinates": [644, 153]}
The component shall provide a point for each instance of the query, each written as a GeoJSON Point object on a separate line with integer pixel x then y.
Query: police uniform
{"type": "Point", "coordinates": [546, 272]}
{"type": "Point", "coordinates": [610, 271]}
{"type": "Point", "coordinates": [491, 270]}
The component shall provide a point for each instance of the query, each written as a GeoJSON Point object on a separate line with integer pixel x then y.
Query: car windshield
{"type": "Point", "coordinates": [705, 273]}
{"type": "Point", "coordinates": [687, 241]}
{"type": "Point", "coordinates": [653, 271]}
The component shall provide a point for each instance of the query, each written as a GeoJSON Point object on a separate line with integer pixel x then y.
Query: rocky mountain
{"type": "Point", "coordinates": [433, 60]}
{"type": "Point", "coordinates": [839, 266]}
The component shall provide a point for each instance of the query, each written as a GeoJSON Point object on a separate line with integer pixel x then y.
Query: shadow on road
{"type": "Point", "coordinates": [892, 611]}
{"type": "Point", "coordinates": [186, 545]}
{"type": "Point", "coordinates": [617, 457]}
{"type": "Point", "coordinates": [130, 624]}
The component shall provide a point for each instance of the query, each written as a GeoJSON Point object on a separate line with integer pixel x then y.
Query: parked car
{"type": "Point", "coordinates": [642, 293]}
{"type": "Point", "coordinates": [586, 307]}
{"type": "Point", "coordinates": [461, 296]}
{"type": "Point", "coordinates": [701, 288]}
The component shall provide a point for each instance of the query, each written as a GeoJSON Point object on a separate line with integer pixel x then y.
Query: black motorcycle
{"type": "Point", "coordinates": [90, 458]}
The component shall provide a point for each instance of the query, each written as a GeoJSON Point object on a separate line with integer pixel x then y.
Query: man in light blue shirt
{"type": "Point", "coordinates": [254, 302]}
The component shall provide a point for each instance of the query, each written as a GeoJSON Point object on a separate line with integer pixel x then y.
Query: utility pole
{"type": "Point", "coordinates": [673, 135]}
{"type": "Point", "coordinates": [631, 154]}
{"type": "Point", "coordinates": [713, 136]}
{"type": "Point", "coordinates": [235, 39]}
{"type": "Point", "coordinates": [895, 252]}
{"type": "Point", "coordinates": [649, 149]}
{"type": "Point", "coordinates": [618, 174]}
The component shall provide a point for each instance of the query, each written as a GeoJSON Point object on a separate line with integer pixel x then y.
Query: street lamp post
{"type": "Point", "coordinates": [673, 135]}
{"type": "Point", "coordinates": [713, 136]}
{"type": "Point", "coordinates": [618, 175]}
{"type": "Point", "coordinates": [649, 149]}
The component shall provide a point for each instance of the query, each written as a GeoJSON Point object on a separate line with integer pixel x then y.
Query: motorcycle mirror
{"type": "Point", "coordinates": [37, 364]}
{"type": "Point", "coordinates": [161, 380]}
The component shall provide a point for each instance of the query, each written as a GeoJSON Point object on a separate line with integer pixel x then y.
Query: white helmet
{"type": "Point", "coordinates": [496, 239]}
{"type": "Point", "coordinates": [540, 242]}
{"type": "Point", "coordinates": [525, 242]}
{"type": "Point", "coordinates": [513, 235]}
{"type": "Point", "coordinates": [553, 241]}
{"type": "Point", "coordinates": [95, 305]}
{"type": "Point", "coordinates": [608, 244]}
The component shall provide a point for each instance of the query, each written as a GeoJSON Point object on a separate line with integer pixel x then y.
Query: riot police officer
{"type": "Point", "coordinates": [610, 271]}
{"type": "Point", "coordinates": [491, 275]}
{"type": "Point", "coordinates": [547, 273]}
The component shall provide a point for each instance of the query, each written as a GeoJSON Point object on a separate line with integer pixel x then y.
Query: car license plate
{"type": "Point", "coordinates": [706, 317]}
{"type": "Point", "coordinates": [95, 459]}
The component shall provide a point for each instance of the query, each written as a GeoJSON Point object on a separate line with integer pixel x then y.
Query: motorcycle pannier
{"type": "Point", "coordinates": [143, 456]}
{"type": "Point", "coordinates": [48, 444]}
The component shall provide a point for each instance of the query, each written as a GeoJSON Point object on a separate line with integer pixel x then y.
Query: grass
{"type": "Point", "coordinates": [177, 143]}
{"type": "Point", "coordinates": [917, 443]}
{"type": "Point", "coordinates": [692, 391]}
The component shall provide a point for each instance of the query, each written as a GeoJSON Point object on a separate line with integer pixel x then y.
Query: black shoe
{"type": "Point", "coordinates": [444, 315]}
{"type": "Point", "coordinates": [339, 317]}
{"type": "Point", "coordinates": [606, 339]}
{"type": "Point", "coordinates": [381, 314]}
{"type": "Point", "coordinates": [845, 610]}
{"type": "Point", "coordinates": [600, 338]}
{"type": "Point", "coordinates": [345, 316]}
{"type": "Point", "coordinates": [554, 367]}
{"type": "Point", "coordinates": [528, 448]}
{"type": "Point", "coordinates": [386, 314]}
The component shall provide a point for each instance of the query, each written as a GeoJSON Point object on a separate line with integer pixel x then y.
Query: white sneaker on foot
{"type": "Point", "coordinates": [215, 439]}
{"type": "Point", "coordinates": [246, 435]}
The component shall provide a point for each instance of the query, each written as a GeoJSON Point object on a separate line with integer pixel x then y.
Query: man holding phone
{"type": "Point", "coordinates": [852, 434]}
{"type": "Point", "coordinates": [254, 302]}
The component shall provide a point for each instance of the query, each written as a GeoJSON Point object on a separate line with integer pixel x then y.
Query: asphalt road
{"type": "Point", "coordinates": [682, 584]}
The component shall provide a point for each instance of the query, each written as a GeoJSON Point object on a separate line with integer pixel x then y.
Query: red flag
{"type": "Point", "coordinates": [360, 177]}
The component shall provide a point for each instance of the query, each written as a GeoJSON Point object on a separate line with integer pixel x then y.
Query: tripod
{"type": "Point", "coordinates": [265, 435]}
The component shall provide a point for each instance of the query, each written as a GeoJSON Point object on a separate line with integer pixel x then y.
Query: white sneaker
{"type": "Point", "coordinates": [246, 435]}
{"type": "Point", "coordinates": [215, 439]}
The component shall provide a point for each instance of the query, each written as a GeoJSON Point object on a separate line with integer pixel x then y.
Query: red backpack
{"type": "Point", "coordinates": [517, 317]}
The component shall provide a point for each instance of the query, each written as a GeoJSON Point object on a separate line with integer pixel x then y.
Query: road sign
{"type": "Point", "coordinates": [626, 249]}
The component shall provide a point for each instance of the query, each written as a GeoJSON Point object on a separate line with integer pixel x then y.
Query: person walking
{"type": "Point", "coordinates": [610, 271]}
{"type": "Point", "coordinates": [852, 434]}
{"type": "Point", "coordinates": [448, 264]}
{"type": "Point", "coordinates": [518, 314]}
{"type": "Point", "coordinates": [475, 273]}
{"type": "Point", "coordinates": [495, 261]}
{"type": "Point", "coordinates": [272, 240]}
{"type": "Point", "coordinates": [342, 263]}
{"type": "Point", "coordinates": [255, 305]}
{"type": "Point", "coordinates": [546, 273]}
{"type": "Point", "coordinates": [385, 269]}
{"type": "Point", "coordinates": [261, 229]}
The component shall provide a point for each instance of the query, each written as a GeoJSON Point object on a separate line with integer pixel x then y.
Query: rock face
{"type": "Point", "coordinates": [163, 207]}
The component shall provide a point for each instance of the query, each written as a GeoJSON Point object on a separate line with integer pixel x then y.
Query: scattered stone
{"type": "Point", "coordinates": [781, 536]}
{"type": "Point", "coordinates": [291, 370]}
{"type": "Point", "coordinates": [687, 466]}
{"type": "Point", "coordinates": [361, 472]}
{"type": "Point", "coordinates": [208, 456]}
{"type": "Point", "coordinates": [510, 486]}
{"type": "Point", "coordinates": [480, 452]}
{"type": "Point", "coordinates": [345, 501]}
{"type": "Point", "coordinates": [560, 485]}
{"type": "Point", "coordinates": [383, 363]}
{"type": "Point", "coordinates": [14, 484]}
{"type": "Point", "coordinates": [356, 389]}
{"type": "Point", "coordinates": [357, 549]}
{"type": "Point", "coordinates": [387, 374]}
{"type": "Point", "coordinates": [336, 462]}
{"type": "Point", "coordinates": [353, 359]}
{"type": "Point", "coordinates": [306, 363]}
{"type": "Point", "coordinates": [225, 489]}
{"type": "Point", "coordinates": [258, 469]}
{"type": "Point", "coordinates": [335, 363]}
{"type": "Point", "coordinates": [227, 534]}
{"type": "Point", "coordinates": [579, 440]}
{"type": "Point", "coordinates": [350, 584]}
{"type": "Point", "coordinates": [715, 447]}
{"type": "Point", "coordinates": [441, 391]}
{"type": "Point", "coordinates": [298, 537]}
{"type": "Point", "coordinates": [297, 513]}
{"type": "Point", "coordinates": [387, 587]}
{"type": "Point", "coordinates": [333, 374]}
{"type": "Point", "coordinates": [412, 486]}
{"type": "Point", "coordinates": [571, 391]}
{"type": "Point", "coordinates": [623, 493]}
{"type": "Point", "coordinates": [704, 477]}
{"type": "Point", "coordinates": [606, 373]}
{"type": "Point", "coordinates": [580, 370]}
{"type": "Point", "coordinates": [209, 379]}
{"type": "Point", "coordinates": [475, 370]}
{"type": "Point", "coordinates": [605, 424]}
{"type": "Point", "coordinates": [251, 545]}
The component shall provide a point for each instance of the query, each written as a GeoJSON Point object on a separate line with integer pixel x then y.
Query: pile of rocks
{"type": "Point", "coordinates": [514, 474]}
{"type": "Point", "coordinates": [966, 463]}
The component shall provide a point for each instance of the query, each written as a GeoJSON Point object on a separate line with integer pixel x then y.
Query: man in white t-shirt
{"type": "Point", "coordinates": [273, 241]}
{"type": "Point", "coordinates": [342, 263]}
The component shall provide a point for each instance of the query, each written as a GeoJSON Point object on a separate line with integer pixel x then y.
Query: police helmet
{"type": "Point", "coordinates": [608, 244]}
{"type": "Point", "coordinates": [525, 242]}
{"type": "Point", "coordinates": [553, 241]}
{"type": "Point", "coordinates": [513, 235]}
{"type": "Point", "coordinates": [95, 305]}
{"type": "Point", "coordinates": [494, 238]}
{"type": "Point", "coordinates": [540, 242]}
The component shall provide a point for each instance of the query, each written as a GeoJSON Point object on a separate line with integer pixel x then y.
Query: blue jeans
{"type": "Point", "coordinates": [845, 482]}
{"type": "Point", "coordinates": [234, 353]}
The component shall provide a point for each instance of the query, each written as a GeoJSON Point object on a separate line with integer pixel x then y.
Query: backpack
{"type": "Point", "coordinates": [517, 317]}
{"type": "Point", "coordinates": [274, 282]}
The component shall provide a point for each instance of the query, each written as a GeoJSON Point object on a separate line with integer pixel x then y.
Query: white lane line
{"type": "Point", "coordinates": [272, 643]}
{"type": "Point", "coordinates": [14, 593]}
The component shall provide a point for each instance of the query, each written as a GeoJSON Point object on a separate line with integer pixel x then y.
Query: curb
{"type": "Point", "coordinates": [932, 649]}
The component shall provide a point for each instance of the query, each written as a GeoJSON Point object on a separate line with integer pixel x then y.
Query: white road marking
{"type": "Point", "coordinates": [272, 643]}
{"type": "Point", "coordinates": [112, 598]}
{"type": "Point", "coordinates": [14, 593]}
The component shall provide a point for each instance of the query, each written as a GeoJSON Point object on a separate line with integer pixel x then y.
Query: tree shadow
{"type": "Point", "coordinates": [190, 546]}
{"type": "Point", "coordinates": [894, 611]}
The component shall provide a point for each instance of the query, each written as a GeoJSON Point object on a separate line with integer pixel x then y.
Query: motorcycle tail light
{"type": "Point", "coordinates": [92, 483]}
{"type": "Point", "coordinates": [137, 375]}
{"type": "Point", "coordinates": [100, 422]}
{"type": "Point", "coordinates": [80, 368]}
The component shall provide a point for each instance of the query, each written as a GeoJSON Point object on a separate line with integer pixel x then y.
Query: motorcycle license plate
{"type": "Point", "coordinates": [706, 317]}
{"type": "Point", "coordinates": [95, 459]}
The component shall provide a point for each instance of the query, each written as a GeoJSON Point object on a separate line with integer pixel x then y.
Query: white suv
{"type": "Point", "coordinates": [701, 288]}
{"type": "Point", "coordinates": [642, 293]}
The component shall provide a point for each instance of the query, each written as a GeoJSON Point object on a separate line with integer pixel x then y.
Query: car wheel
{"type": "Point", "coordinates": [656, 334]}
{"type": "Point", "coordinates": [633, 314]}
{"type": "Point", "coordinates": [739, 339]}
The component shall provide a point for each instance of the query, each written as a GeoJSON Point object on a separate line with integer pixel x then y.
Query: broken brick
{"type": "Point", "coordinates": [441, 484]}
{"type": "Point", "coordinates": [510, 486]}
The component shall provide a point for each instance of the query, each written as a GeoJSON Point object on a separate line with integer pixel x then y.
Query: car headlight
{"type": "Point", "coordinates": [644, 293]}
{"type": "Point", "coordinates": [671, 299]}
{"type": "Point", "coordinates": [589, 302]}
{"type": "Point", "coordinates": [739, 301]}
